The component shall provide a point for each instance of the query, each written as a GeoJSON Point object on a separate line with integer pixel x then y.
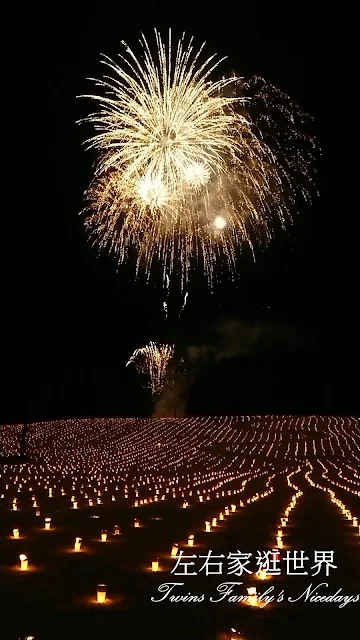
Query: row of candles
{"type": "Point", "coordinates": [285, 518]}
{"type": "Point", "coordinates": [137, 502]}
{"type": "Point", "coordinates": [215, 476]}
{"type": "Point", "coordinates": [102, 591]}
{"type": "Point", "coordinates": [344, 510]}
{"type": "Point", "coordinates": [143, 502]}
{"type": "Point", "coordinates": [24, 563]}
{"type": "Point", "coordinates": [232, 508]}
{"type": "Point", "coordinates": [337, 484]}
{"type": "Point", "coordinates": [155, 563]}
{"type": "Point", "coordinates": [175, 548]}
{"type": "Point", "coordinates": [136, 522]}
{"type": "Point", "coordinates": [40, 470]}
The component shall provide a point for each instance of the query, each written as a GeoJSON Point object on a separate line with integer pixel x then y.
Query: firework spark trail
{"type": "Point", "coordinates": [153, 360]}
{"type": "Point", "coordinates": [184, 303]}
{"type": "Point", "coordinates": [191, 169]}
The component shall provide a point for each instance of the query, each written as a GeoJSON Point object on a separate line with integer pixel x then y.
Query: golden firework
{"type": "Point", "coordinates": [190, 169]}
{"type": "Point", "coordinates": [153, 360]}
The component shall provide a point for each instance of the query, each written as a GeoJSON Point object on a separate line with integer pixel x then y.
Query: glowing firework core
{"type": "Point", "coordinates": [219, 223]}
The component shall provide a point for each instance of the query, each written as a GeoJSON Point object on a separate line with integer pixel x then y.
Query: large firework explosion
{"type": "Point", "coordinates": [189, 169]}
{"type": "Point", "coordinates": [153, 360]}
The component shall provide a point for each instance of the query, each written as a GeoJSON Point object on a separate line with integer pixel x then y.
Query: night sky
{"type": "Point", "coordinates": [288, 327]}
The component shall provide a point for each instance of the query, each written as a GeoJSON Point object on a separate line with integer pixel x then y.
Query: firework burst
{"type": "Point", "coordinates": [189, 169]}
{"type": "Point", "coordinates": [153, 360]}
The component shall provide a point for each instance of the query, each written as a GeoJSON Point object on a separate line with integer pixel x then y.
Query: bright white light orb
{"type": "Point", "coordinates": [220, 223]}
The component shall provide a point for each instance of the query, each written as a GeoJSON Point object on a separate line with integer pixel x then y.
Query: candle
{"type": "Point", "coordinates": [136, 523]}
{"type": "Point", "coordinates": [252, 597]}
{"type": "Point", "coordinates": [75, 505]}
{"type": "Point", "coordinates": [207, 526]}
{"type": "Point", "coordinates": [155, 565]}
{"type": "Point", "coordinates": [24, 563]}
{"type": "Point", "coordinates": [262, 574]}
{"type": "Point", "coordinates": [214, 522]}
{"type": "Point", "coordinates": [117, 530]}
{"type": "Point", "coordinates": [279, 533]}
{"type": "Point", "coordinates": [233, 508]}
{"type": "Point", "coordinates": [101, 594]}
{"type": "Point", "coordinates": [47, 523]}
{"type": "Point", "coordinates": [191, 541]}
{"type": "Point", "coordinates": [226, 511]}
{"type": "Point", "coordinates": [221, 516]}
{"type": "Point", "coordinates": [16, 533]}
{"type": "Point", "coordinates": [103, 536]}
{"type": "Point", "coordinates": [174, 550]}
{"type": "Point", "coordinates": [77, 545]}
{"type": "Point", "coordinates": [279, 542]}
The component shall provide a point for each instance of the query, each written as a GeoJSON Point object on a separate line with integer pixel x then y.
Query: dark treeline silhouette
{"type": "Point", "coordinates": [23, 455]}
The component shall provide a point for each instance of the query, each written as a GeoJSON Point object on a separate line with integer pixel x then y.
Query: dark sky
{"type": "Point", "coordinates": [69, 321]}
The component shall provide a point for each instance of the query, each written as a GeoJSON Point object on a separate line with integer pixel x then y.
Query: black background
{"type": "Point", "coordinates": [70, 321]}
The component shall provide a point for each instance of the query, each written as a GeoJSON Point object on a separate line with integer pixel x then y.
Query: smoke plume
{"type": "Point", "coordinates": [228, 339]}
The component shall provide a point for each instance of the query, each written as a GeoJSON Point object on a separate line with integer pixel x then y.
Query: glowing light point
{"type": "Point", "coordinates": [262, 574]}
{"type": "Point", "coordinates": [77, 545]}
{"type": "Point", "coordinates": [220, 223]}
